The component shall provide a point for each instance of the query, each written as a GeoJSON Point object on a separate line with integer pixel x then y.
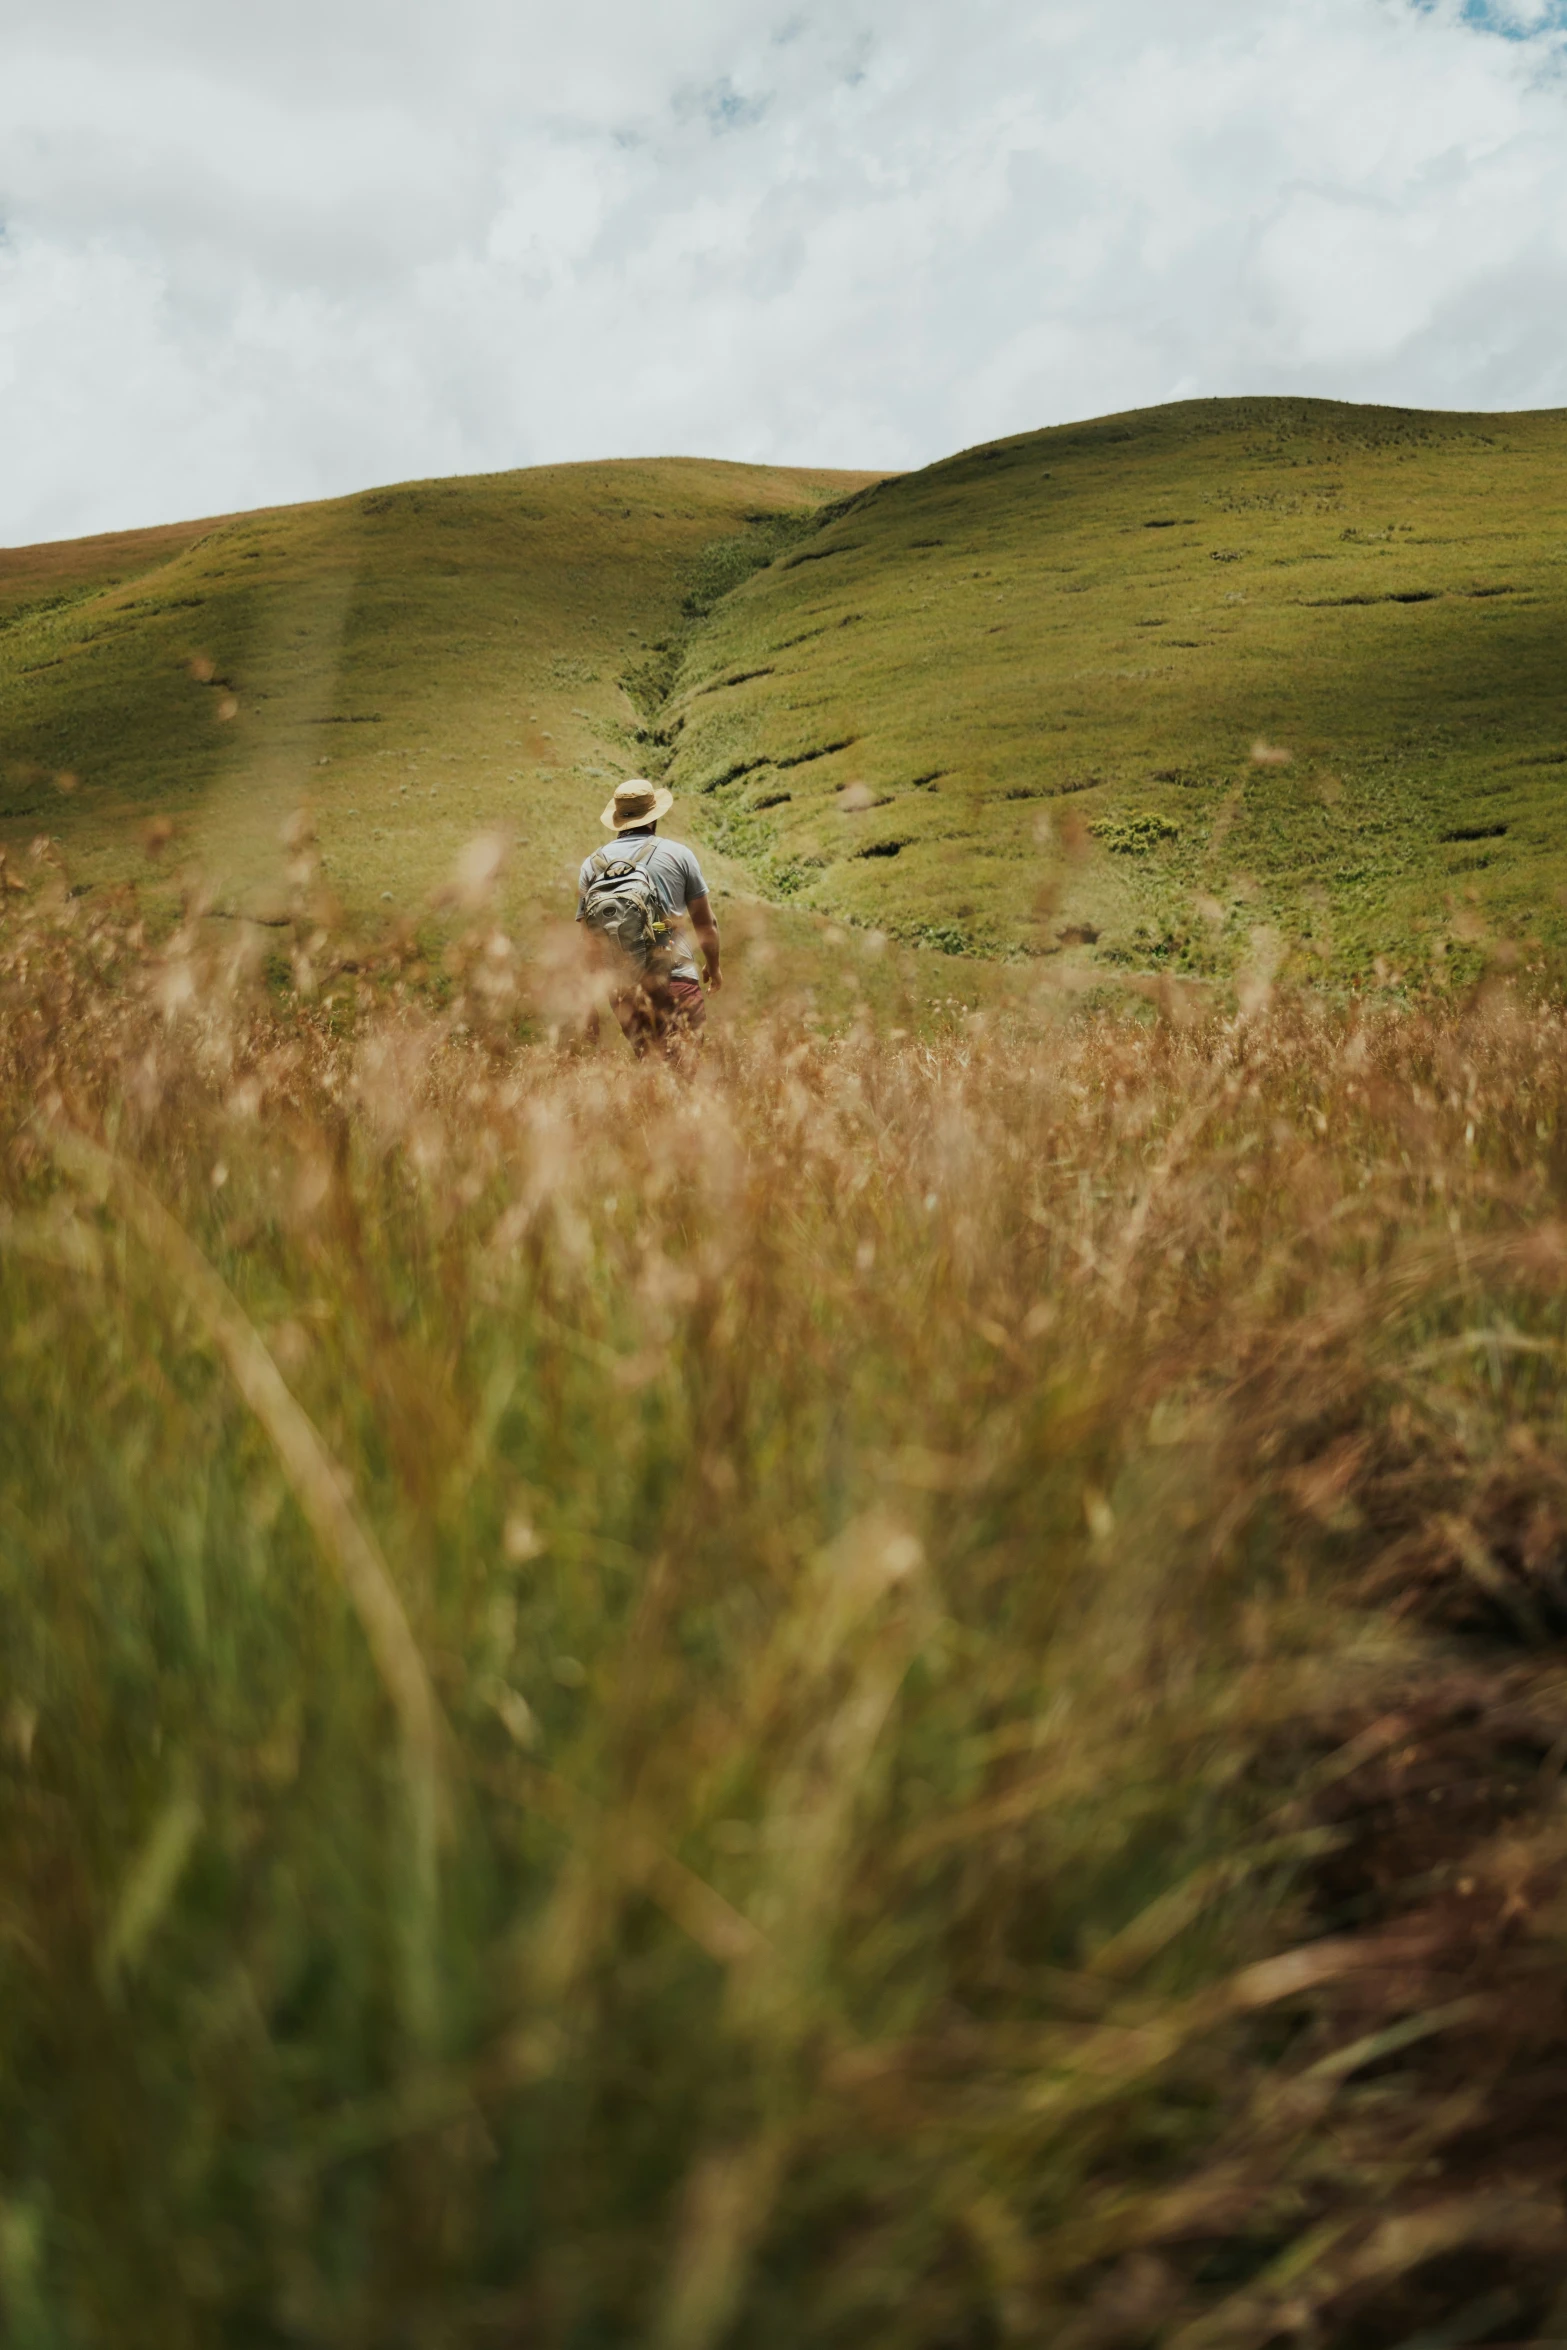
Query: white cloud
{"type": "Point", "coordinates": [251, 255]}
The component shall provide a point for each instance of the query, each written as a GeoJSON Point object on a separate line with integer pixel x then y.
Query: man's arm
{"type": "Point", "coordinates": [705, 929]}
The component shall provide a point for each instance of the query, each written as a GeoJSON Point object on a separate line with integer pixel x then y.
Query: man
{"type": "Point", "coordinates": [662, 1004]}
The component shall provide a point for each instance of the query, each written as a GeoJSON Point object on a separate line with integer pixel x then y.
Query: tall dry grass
{"type": "Point", "coordinates": [909, 1694]}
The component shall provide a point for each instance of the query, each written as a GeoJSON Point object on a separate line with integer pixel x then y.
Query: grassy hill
{"type": "Point", "coordinates": [1171, 678]}
{"type": "Point", "coordinates": [416, 664]}
{"type": "Point", "coordinates": [1160, 693]}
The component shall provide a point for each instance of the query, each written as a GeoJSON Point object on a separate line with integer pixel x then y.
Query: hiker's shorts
{"type": "Point", "coordinates": [666, 1015]}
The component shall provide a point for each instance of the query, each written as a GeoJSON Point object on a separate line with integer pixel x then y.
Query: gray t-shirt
{"type": "Point", "coordinates": [676, 876]}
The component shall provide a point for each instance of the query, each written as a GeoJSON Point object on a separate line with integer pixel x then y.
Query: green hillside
{"type": "Point", "coordinates": [414, 664]}
{"type": "Point", "coordinates": [1156, 693]}
{"type": "Point", "coordinates": [1170, 678]}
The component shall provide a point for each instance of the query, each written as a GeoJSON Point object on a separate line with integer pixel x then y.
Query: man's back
{"type": "Point", "coordinates": [675, 874]}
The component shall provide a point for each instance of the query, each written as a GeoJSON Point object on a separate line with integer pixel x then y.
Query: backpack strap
{"type": "Point", "coordinates": [604, 861]}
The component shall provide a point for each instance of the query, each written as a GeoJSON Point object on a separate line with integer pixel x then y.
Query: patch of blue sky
{"type": "Point", "coordinates": [720, 105]}
{"type": "Point", "coordinates": [728, 109]}
{"type": "Point", "coordinates": [1509, 20]}
{"type": "Point", "coordinates": [1516, 24]}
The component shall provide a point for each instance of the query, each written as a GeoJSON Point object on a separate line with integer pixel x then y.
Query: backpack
{"type": "Point", "coordinates": [621, 903]}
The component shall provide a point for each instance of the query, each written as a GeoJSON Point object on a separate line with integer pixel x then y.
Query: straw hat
{"type": "Point", "coordinates": [636, 801]}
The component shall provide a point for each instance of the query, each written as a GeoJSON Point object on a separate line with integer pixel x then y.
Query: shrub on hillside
{"type": "Point", "coordinates": [1134, 836]}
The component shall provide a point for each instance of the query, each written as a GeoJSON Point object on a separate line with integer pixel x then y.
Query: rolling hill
{"type": "Point", "coordinates": [1150, 685]}
{"type": "Point", "coordinates": [415, 664]}
{"type": "Point", "coordinates": [1158, 693]}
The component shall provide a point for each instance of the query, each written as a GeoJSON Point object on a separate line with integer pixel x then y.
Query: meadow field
{"type": "Point", "coordinates": [902, 1691]}
{"type": "Point", "coordinates": [906, 1693]}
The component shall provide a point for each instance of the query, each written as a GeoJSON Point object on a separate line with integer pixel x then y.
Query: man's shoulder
{"type": "Point", "coordinates": [684, 857]}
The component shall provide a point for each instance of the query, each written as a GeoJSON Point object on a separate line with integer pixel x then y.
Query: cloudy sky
{"type": "Point", "coordinates": [259, 253]}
